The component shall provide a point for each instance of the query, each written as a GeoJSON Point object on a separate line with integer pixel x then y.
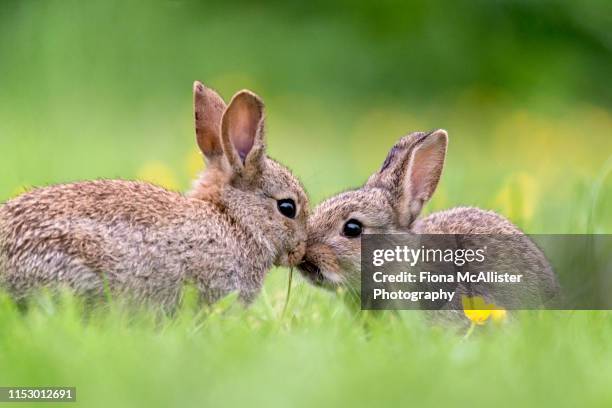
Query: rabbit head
{"type": "Point", "coordinates": [389, 202]}
{"type": "Point", "coordinates": [258, 194]}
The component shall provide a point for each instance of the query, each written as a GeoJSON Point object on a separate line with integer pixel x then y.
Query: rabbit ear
{"type": "Point", "coordinates": [242, 131]}
{"type": "Point", "coordinates": [411, 172]}
{"type": "Point", "coordinates": [208, 109]}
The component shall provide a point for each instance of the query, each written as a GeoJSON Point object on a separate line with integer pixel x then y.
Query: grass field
{"type": "Point", "coordinates": [85, 94]}
{"type": "Point", "coordinates": [321, 352]}
{"type": "Point", "coordinates": [318, 355]}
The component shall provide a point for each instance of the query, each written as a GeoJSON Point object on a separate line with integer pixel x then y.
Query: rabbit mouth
{"type": "Point", "coordinates": [292, 257]}
{"type": "Point", "coordinates": [312, 272]}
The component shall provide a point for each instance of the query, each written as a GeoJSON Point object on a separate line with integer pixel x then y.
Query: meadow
{"type": "Point", "coordinates": [99, 90]}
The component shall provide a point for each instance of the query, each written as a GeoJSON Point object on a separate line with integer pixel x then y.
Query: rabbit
{"type": "Point", "coordinates": [245, 213]}
{"type": "Point", "coordinates": [390, 202]}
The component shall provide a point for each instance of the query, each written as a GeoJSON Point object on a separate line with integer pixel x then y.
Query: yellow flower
{"type": "Point", "coordinates": [194, 163]}
{"type": "Point", "coordinates": [517, 199]}
{"type": "Point", "coordinates": [498, 315]}
{"type": "Point", "coordinates": [478, 311]}
{"type": "Point", "coordinates": [479, 317]}
{"type": "Point", "coordinates": [19, 191]}
{"type": "Point", "coordinates": [158, 173]}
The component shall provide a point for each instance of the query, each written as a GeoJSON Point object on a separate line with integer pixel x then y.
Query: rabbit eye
{"type": "Point", "coordinates": [352, 228]}
{"type": "Point", "coordinates": [287, 207]}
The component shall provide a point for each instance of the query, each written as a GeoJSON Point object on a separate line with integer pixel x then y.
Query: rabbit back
{"type": "Point", "coordinates": [131, 236]}
{"type": "Point", "coordinates": [509, 249]}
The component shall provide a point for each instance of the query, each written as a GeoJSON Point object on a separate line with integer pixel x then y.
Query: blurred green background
{"type": "Point", "coordinates": [103, 89]}
{"type": "Point", "coordinates": [93, 89]}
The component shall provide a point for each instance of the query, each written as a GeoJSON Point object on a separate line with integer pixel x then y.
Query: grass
{"type": "Point", "coordinates": [320, 352]}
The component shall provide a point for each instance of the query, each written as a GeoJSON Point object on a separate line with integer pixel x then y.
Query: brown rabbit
{"type": "Point", "coordinates": [244, 214]}
{"type": "Point", "coordinates": [390, 202]}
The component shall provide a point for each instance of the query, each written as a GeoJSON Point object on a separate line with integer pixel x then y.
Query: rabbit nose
{"type": "Point", "coordinates": [295, 256]}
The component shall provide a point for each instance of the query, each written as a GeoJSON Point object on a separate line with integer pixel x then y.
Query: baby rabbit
{"type": "Point", "coordinates": [391, 201]}
{"type": "Point", "coordinates": [244, 214]}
